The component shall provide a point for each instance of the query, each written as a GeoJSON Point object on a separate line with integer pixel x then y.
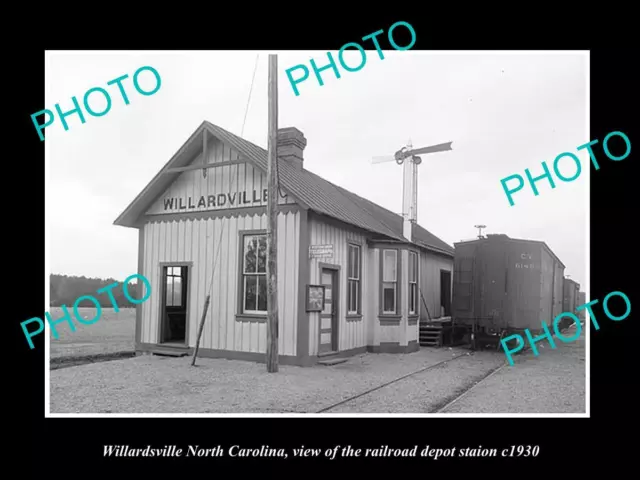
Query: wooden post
{"type": "Point", "coordinates": [204, 152]}
{"type": "Point", "coordinates": [204, 316]}
{"type": "Point", "coordinates": [272, 231]}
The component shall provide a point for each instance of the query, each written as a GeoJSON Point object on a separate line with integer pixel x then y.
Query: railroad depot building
{"type": "Point", "coordinates": [348, 280]}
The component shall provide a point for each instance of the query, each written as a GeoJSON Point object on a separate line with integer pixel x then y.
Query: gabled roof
{"type": "Point", "coordinates": [313, 191]}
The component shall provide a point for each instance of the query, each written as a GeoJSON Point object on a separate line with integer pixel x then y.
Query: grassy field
{"type": "Point", "coordinates": [113, 332]}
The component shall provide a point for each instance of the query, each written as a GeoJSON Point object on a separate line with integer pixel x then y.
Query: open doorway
{"type": "Point", "coordinates": [445, 292]}
{"type": "Point", "coordinates": [173, 328]}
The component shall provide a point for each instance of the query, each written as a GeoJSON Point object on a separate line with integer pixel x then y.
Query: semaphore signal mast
{"type": "Point", "coordinates": [408, 156]}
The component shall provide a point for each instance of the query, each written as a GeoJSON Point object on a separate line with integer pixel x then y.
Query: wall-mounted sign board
{"type": "Point", "coordinates": [320, 251]}
{"type": "Point", "coordinates": [315, 298]}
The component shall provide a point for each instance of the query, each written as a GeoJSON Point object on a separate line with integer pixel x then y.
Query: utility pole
{"type": "Point", "coordinates": [480, 227]}
{"type": "Point", "coordinates": [272, 231]}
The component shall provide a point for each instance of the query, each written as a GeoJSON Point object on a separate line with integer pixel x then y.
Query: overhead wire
{"type": "Point", "coordinates": [246, 110]}
{"type": "Point", "coordinates": [255, 68]}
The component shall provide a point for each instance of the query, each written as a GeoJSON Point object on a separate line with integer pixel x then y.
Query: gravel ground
{"type": "Point", "coordinates": [552, 382]}
{"type": "Point", "coordinates": [113, 332]}
{"type": "Point", "coordinates": [425, 392]}
{"type": "Point", "coordinates": [154, 384]}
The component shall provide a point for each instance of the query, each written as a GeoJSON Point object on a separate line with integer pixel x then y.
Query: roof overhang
{"type": "Point", "coordinates": [189, 150]}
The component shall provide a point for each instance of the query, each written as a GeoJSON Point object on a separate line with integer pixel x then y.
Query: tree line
{"type": "Point", "coordinates": [65, 290]}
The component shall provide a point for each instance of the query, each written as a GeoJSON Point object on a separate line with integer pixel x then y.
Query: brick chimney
{"type": "Point", "coordinates": [291, 143]}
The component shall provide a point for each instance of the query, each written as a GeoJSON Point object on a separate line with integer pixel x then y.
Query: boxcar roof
{"type": "Point", "coordinates": [502, 236]}
{"type": "Point", "coordinates": [311, 190]}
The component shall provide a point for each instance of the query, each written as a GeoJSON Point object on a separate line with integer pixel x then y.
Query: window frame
{"type": "Point", "coordinates": [242, 274]}
{"type": "Point", "coordinates": [357, 280]}
{"type": "Point", "coordinates": [396, 282]}
{"type": "Point", "coordinates": [170, 275]}
{"type": "Point", "coordinates": [450, 289]}
{"type": "Point", "coordinates": [161, 299]}
{"type": "Point", "coordinates": [414, 284]}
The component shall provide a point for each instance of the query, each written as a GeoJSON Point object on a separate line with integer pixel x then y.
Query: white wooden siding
{"type": "Point", "coordinates": [351, 334]}
{"type": "Point", "coordinates": [412, 333]}
{"type": "Point", "coordinates": [196, 241]}
{"type": "Point", "coordinates": [372, 297]}
{"type": "Point", "coordinates": [389, 333]}
{"type": "Point", "coordinates": [238, 184]}
{"type": "Point", "coordinates": [430, 266]}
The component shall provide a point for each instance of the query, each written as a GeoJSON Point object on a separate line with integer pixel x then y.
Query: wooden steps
{"type": "Point", "coordinates": [332, 361]}
{"type": "Point", "coordinates": [170, 351]}
{"type": "Point", "coordinates": [430, 334]}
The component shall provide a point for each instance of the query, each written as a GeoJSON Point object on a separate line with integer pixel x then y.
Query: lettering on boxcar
{"type": "Point", "coordinates": [525, 265]}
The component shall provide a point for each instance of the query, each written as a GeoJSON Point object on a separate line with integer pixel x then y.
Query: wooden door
{"type": "Point", "coordinates": [329, 315]}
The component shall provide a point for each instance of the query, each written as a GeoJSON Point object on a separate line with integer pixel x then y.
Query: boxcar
{"type": "Point", "coordinates": [570, 300]}
{"type": "Point", "coordinates": [503, 285]}
{"type": "Point", "coordinates": [582, 299]}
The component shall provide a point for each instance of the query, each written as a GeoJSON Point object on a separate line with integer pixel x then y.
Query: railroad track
{"type": "Point", "coordinates": [468, 390]}
{"type": "Point", "coordinates": [399, 379]}
{"type": "Point", "coordinates": [439, 408]}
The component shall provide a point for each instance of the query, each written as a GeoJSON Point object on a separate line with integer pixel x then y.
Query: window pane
{"type": "Point", "coordinates": [250, 292]}
{"type": "Point", "coordinates": [356, 268]}
{"type": "Point", "coordinates": [177, 292]}
{"type": "Point", "coordinates": [351, 259]}
{"type": "Point", "coordinates": [389, 298]}
{"type": "Point", "coordinates": [169, 285]}
{"type": "Point", "coordinates": [412, 298]}
{"type": "Point", "coordinates": [249, 254]}
{"type": "Point", "coordinates": [352, 297]}
{"type": "Point", "coordinates": [262, 293]}
{"type": "Point", "coordinates": [355, 296]}
{"type": "Point", "coordinates": [390, 265]}
{"type": "Point", "coordinates": [411, 267]}
{"type": "Point", "coordinates": [262, 253]}
{"type": "Point", "coordinates": [415, 267]}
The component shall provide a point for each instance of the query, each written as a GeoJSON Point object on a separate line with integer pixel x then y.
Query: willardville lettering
{"type": "Point", "coordinates": [229, 200]}
{"type": "Point", "coordinates": [126, 451]}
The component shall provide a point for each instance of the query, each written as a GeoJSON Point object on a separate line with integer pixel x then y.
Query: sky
{"type": "Point", "coordinates": [504, 112]}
